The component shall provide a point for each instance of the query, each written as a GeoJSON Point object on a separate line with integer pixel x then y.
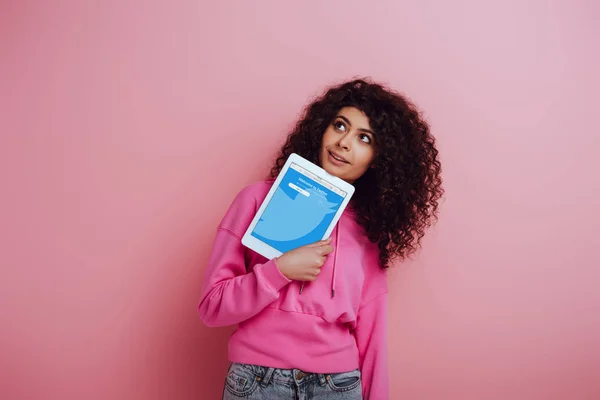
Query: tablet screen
{"type": "Point", "coordinates": [300, 211]}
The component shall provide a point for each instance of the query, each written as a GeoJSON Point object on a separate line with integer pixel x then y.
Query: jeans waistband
{"type": "Point", "coordinates": [284, 376]}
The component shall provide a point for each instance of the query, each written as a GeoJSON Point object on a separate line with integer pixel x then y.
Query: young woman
{"type": "Point", "coordinates": [328, 340]}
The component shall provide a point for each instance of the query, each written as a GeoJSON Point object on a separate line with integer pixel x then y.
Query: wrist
{"type": "Point", "coordinates": [279, 264]}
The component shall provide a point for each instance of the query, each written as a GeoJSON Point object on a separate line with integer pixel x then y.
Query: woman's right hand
{"type": "Point", "coordinates": [304, 263]}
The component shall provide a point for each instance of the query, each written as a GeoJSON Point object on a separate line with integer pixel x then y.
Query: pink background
{"type": "Point", "coordinates": [128, 126]}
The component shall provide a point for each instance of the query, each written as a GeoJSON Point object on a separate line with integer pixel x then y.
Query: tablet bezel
{"type": "Point", "coordinates": [265, 249]}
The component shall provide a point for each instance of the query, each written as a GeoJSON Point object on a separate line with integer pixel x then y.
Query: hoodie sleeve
{"type": "Point", "coordinates": [371, 328]}
{"type": "Point", "coordinates": [371, 339]}
{"type": "Point", "coordinates": [231, 293]}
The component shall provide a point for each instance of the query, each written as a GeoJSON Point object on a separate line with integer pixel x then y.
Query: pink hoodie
{"type": "Point", "coordinates": [337, 323]}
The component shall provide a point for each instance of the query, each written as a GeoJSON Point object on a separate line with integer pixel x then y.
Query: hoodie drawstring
{"type": "Point", "coordinates": [337, 241]}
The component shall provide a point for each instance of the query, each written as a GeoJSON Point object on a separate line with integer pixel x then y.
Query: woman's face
{"type": "Point", "coordinates": [348, 145]}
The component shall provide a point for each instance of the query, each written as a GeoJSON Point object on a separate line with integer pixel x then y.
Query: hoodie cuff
{"type": "Point", "coordinates": [273, 276]}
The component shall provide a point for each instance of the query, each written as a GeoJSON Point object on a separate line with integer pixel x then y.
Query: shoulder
{"type": "Point", "coordinates": [256, 191]}
{"type": "Point", "coordinates": [244, 206]}
{"type": "Point", "coordinates": [366, 253]}
{"type": "Point", "coordinates": [375, 278]}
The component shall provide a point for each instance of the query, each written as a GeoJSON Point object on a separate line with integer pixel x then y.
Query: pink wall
{"type": "Point", "coordinates": [124, 126]}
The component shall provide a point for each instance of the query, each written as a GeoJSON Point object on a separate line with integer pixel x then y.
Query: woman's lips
{"type": "Point", "coordinates": [336, 158]}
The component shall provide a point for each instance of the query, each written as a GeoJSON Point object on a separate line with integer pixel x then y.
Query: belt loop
{"type": "Point", "coordinates": [264, 382]}
{"type": "Point", "coordinates": [322, 379]}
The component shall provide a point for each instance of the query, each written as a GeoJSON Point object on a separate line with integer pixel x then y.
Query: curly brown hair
{"type": "Point", "coordinates": [397, 199]}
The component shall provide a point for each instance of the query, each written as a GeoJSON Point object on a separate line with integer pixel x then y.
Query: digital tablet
{"type": "Point", "coordinates": [301, 208]}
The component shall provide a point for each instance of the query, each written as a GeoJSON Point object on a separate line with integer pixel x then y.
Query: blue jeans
{"type": "Point", "coordinates": [252, 382]}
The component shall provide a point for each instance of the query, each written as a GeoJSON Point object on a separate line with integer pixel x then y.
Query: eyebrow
{"type": "Point", "coordinates": [360, 129]}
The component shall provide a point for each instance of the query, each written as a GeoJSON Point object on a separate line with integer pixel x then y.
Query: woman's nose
{"type": "Point", "coordinates": [344, 142]}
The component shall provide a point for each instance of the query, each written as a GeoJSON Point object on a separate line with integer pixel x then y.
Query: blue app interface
{"type": "Point", "coordinates": [300, 210]}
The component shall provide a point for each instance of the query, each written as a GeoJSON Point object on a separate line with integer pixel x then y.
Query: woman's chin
{"type": "Point", "coordinates": [331, 170]}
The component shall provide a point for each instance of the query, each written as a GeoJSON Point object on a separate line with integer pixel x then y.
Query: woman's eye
{"type": "Point", "coordinates": [365, 138]}
{"type": "Point", "coordinates": [339, 126]}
